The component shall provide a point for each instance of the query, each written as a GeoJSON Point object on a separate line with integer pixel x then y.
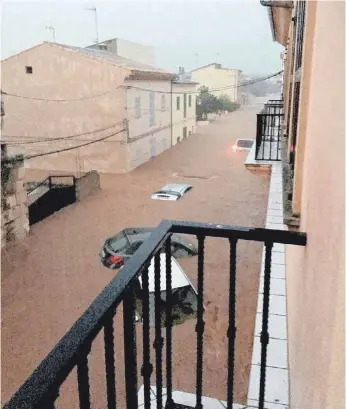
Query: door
{"type": "Point", "coordinates": [152, 147]}
{"type": "Point", "coordinates": [184, 132]}
{"type": "Point", "coordinates": [184, 105]}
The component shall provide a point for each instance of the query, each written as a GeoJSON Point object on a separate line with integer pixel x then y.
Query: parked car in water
{"type": "Point", "coordinates": [172, 191]}
{"type": "Point", "coordinates": [184, 295]}
{"type": "Point", "coordinates": [120, 248]}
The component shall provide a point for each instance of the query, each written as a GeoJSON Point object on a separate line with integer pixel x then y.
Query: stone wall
{"type": "Point", "coordinates": [14, 208]}
{"type": "Point", "coordinates": [87, 184]}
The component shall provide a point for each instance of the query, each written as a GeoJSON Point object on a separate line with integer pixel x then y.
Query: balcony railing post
{"type": "Point", "coordinates": [231, 332]}
{"type": "Point", "coordinates": [129, 308]}
{"type": "Point", "coordinates": [83, 378]}
{"type": "Point", "coordinates": [158, 343]}
{"type": "Point", "coordinates": [265, 319]}
{"type": "Point", "coordinates": [200, 323]}
{"type": "Point", "coordinates": [169, 403]}
{"type": "Point", "coordinates": [147, 368]}
{"type": "Point", "coordinates": [110, 362]}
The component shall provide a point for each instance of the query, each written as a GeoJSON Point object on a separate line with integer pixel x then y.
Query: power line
{"type": "Point", "coordinates": [60, 100]}
{"type": "Point", "coordinates": [42, 139]}
{"type": "Point", "coordinates": [211, 89]}
{"type": "Point", "coordinates": [71, 147]}
{"type": "Point", "coordinates": [142, 89]}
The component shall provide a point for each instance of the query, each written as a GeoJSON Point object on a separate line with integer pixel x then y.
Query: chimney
{"type": "Point", "coordinates": [181, 71]}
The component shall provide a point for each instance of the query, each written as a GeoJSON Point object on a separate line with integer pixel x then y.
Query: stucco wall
{"type": "Point", "coordinates": [178, 119]}
{"type": "Point", "coordinates": [145, 148]}
{"type": "Point", "coordinates": [213, 77]}
{"type": "Point", "coordinates": [147, 139]}
{"type": "Point", "coordinates": [316, 275]}
{"type": "Point", "coordinates": [61, 74]}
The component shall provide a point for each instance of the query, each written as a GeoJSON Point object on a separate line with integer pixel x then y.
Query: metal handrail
{"type": "Point", "coordinates": [42, 387]}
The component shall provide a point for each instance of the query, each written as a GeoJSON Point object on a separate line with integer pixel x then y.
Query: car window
{"type": "Point", "coordinates": [133, 247]}
{"type": "Point", "coordinates": [118, 243]}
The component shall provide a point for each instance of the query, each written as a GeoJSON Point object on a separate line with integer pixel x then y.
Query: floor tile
{"type": "Point", "coordinates": [276, 353]}
{"type": "Point", "coordinates": [253, 404]}
{"type": "Point", "coordinates": [278, 248]}
{"type": "Point", "coordinates": [277, 304]}
{"type": "Point", "coordinates": [164, 390]}
{"type": "Point", "coordinates": [141, 396]}
{"type": "Point", "coordinates": [277, 286]}
{"type": "Point", "coordinates": [275, 226]}
{"type": "Point", "coordinates": [277, 326]}
{"type": "Point", "coordinates": [277, 271]}
{"type": "Point", "coordinates": [274, 219]}
{"type": "Point", "coordinates": [275, 206]}
{"type": "Point", "coordinates": [276, 384]}
{"type": "Point", "coordinates": [189, 399]}
{"type": "Point", "coordinates": [275, 212]}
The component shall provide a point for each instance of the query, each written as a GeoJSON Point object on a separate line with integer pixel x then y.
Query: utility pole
{"type": "Point", "coordinates": [52, 29]}
{"type": "Point", "coordinates": [96, 24]}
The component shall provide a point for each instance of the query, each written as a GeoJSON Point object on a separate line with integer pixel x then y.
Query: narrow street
{"type": "Point", "coordinates": [51, 278]}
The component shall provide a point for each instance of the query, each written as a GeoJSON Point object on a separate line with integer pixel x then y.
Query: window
{"type": "Point", "coordinates": [190, 101]}
{"type": "Point", "coordinates": [163, 102]}
{"type": "Point", "coordinates": [151, 109]}
{"type": "Point", "coordinates": [138, 112]}
{"type": "Point", "coordinates": [178, 103]}
{"type": "Point", "coordinates": [28, 69]}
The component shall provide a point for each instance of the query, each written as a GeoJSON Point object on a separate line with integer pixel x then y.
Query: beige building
{"type": "Point", "coordinates": [74, 96]}
{"type": "Point", "coordinates": [127, 49]}
{"type": "Point", "coordinates": [183, 107]}
{"type": "Point", "coordinates": [219, 80]}
{"type": "Point", "coordinates": [313, 34]}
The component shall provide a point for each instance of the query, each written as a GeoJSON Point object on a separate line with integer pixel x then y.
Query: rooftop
{"type": "Point", "coordinates": [217, 65]}
{"type": "Point", "coordinates": [112, 58]}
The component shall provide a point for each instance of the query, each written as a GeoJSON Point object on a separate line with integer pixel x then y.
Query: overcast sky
{"type": "Point", "coordinates": [189, 33]}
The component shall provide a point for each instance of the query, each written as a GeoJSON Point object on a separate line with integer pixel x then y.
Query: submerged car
{"type": "Point", "coordinates": [119, 248]}
{"type": "Point", "coordinates": [172, 191]}
{"type": "Point", "coordinates": [243, 145]}
{"type": "Point", "coordinates": [184, 295]}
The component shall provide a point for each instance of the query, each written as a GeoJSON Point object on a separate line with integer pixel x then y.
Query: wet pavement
{"type": "Point", "coordinates": [50, 279]}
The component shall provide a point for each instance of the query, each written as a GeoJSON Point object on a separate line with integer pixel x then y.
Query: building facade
{"type": "Point", "coordinates": [313, 34]}
{"type": "Point", "coordinates": [219, 80]}
{"type": "Point", "coordinates": [72, 97]}
{"type": "Point", "coordinates": [184, 92]}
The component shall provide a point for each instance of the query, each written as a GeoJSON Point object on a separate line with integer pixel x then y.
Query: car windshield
{"type": "Point", "coordinates": [167, 192]}
{"type": "Point", "coordinates": [118, 243]}
{"type": "Point", "coordinates": [244, 143]}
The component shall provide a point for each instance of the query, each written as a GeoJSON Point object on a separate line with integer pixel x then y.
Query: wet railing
{"type": "Point", "coordinates": [268, 131]}
{"type": "Point", "coordinates": [41, 390]}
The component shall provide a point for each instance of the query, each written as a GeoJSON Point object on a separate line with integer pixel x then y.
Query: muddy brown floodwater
{"type": "Point", "coordinates": [52, 277]}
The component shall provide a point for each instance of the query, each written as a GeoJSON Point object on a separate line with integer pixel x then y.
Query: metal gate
{"type": "Point", "coordinates": [56, 192]}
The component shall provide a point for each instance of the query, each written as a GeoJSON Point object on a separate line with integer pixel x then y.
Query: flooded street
{"type": "Point", "coordinates": [50, 279]}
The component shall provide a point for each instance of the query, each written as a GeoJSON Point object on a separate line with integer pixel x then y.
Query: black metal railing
{"type": "Point", "coordinates": [41, 390]}
{"type": "Point", "coordinates": [268, 131]}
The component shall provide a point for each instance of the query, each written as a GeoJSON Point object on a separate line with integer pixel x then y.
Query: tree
{"type": "Point", "coordinates": [207, 103]}
{"type": "Point", "coordinates": [227, 104]}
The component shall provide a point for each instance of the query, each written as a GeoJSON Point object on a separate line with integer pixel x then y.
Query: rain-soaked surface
{"type": "Point", "coordinates": [50, 279]}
